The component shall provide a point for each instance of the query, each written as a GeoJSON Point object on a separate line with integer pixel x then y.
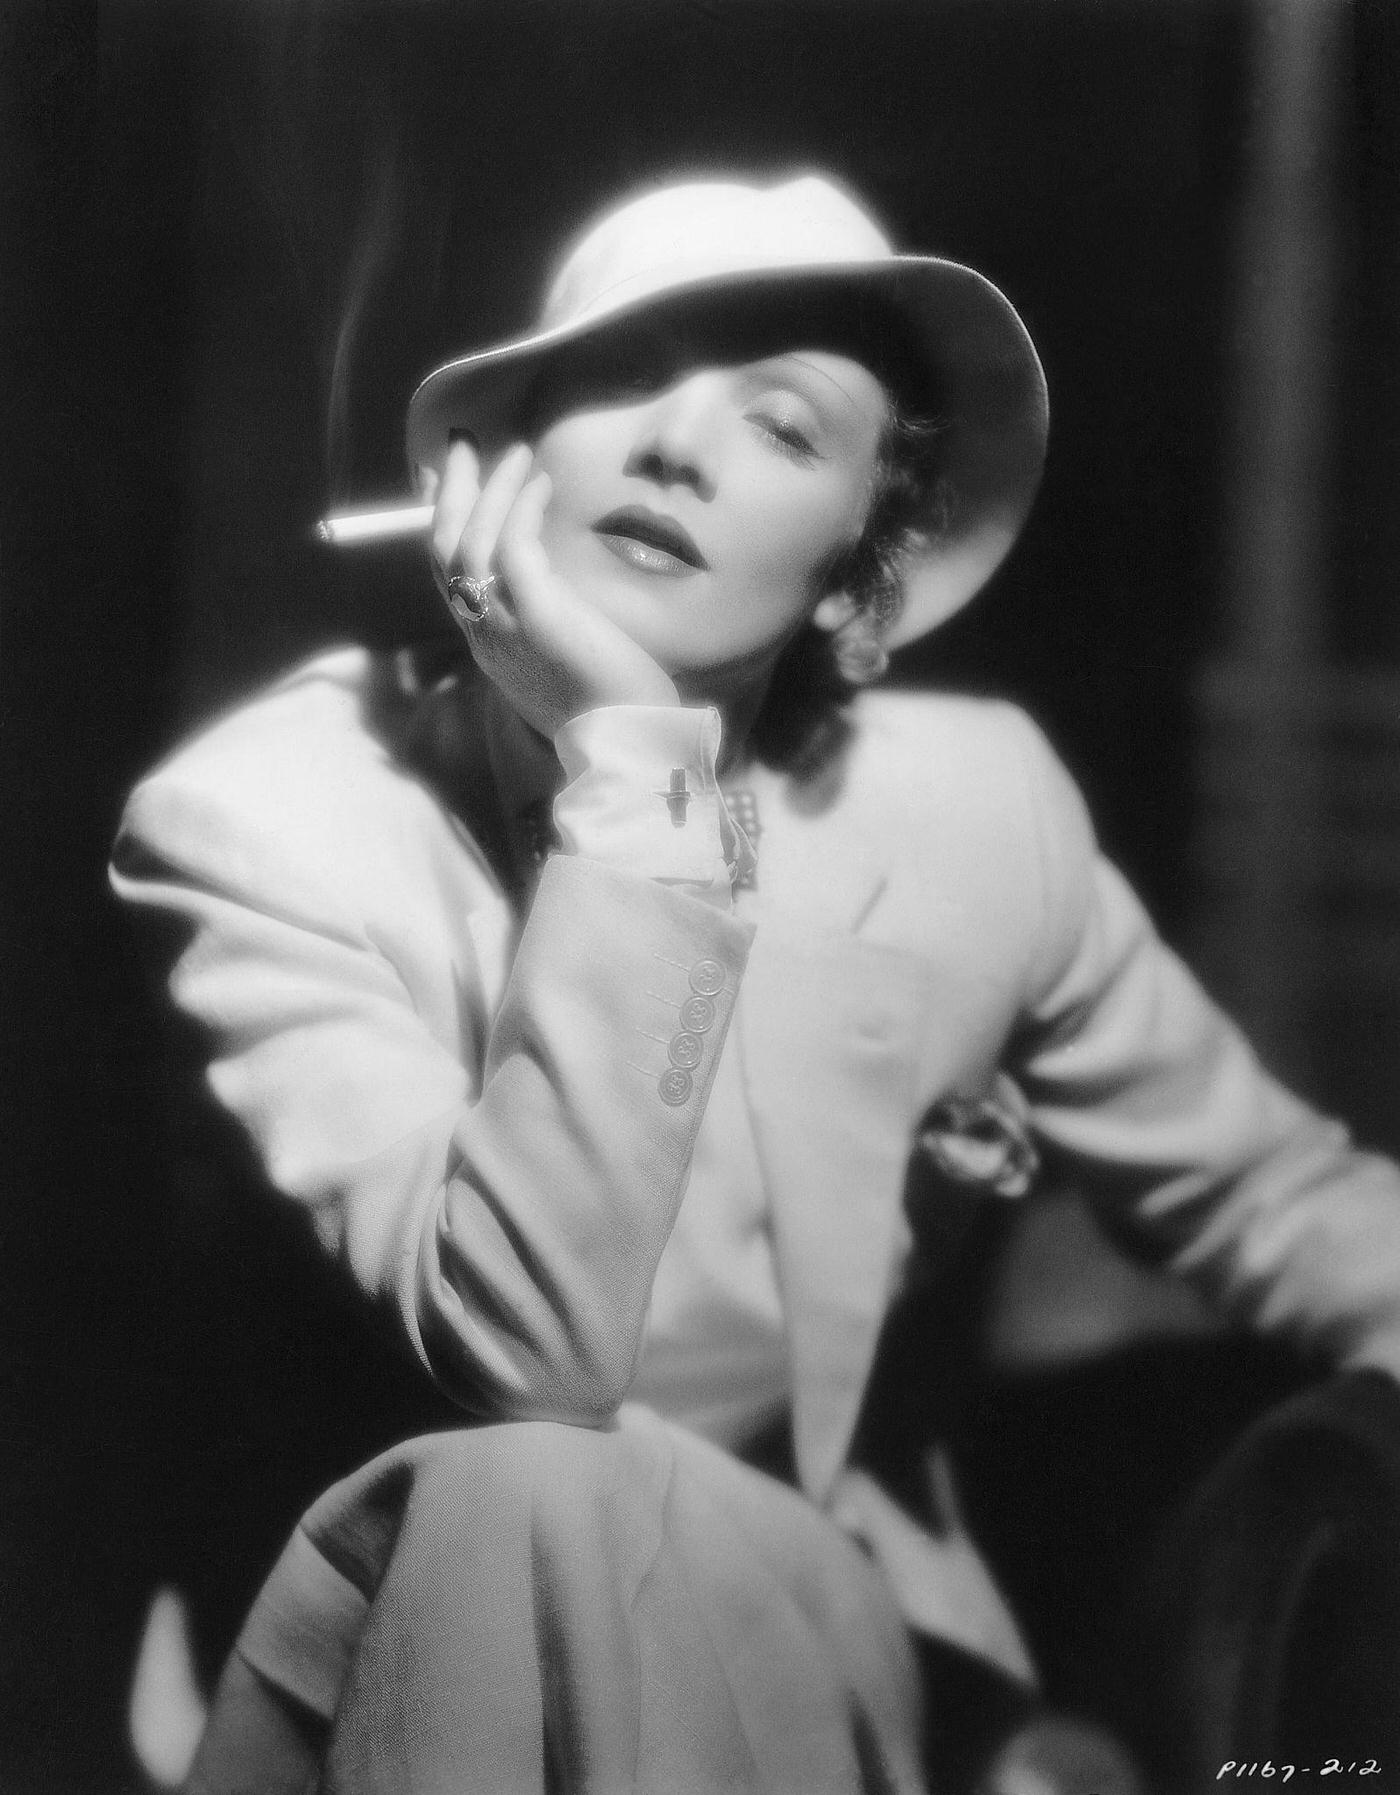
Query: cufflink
{"type": "Point", "coordinates": [677, 797]}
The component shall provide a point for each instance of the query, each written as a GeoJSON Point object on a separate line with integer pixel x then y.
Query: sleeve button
{"type": "Point", "coordinates": [707, 977]}
{"type": "Point", "coordinates": [686, 1051]}
{"type": "Point", "coordinates": [675, 1086]}
{"type": "Point", "coordinates": [697, 1015]}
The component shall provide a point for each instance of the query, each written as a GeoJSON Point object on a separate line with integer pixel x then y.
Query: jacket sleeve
{"type": "Point", "coordinates": [1186, 1144]}
{"type": "Point", "coordinates": [512, 1197]}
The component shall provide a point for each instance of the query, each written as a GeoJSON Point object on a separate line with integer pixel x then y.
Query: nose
{"type": "Point", "coordinates": [677, 437]}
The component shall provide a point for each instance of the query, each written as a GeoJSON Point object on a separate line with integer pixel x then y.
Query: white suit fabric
{"type": "Point", "coordinates": [480, 1113]}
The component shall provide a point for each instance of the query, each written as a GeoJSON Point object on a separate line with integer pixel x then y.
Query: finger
{"type": "Point", "coordinates": [458, 492]}
{"type": "Point", "coordinates": [477, 543]}
{"type": "Point", "coordinates": [426, 480]}
{"type": "Point", "coordinates": [520, 554]}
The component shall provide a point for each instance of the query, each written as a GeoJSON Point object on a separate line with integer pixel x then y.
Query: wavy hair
{"type": "Point", "coordinates": [805, 720]}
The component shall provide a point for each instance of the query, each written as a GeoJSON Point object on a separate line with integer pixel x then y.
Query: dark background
{"type": "Point", "coordinates": [234, 237]}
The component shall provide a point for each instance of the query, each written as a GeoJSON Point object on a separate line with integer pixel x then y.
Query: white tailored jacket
{"type": "Point", "coordinates": [468, 1108]}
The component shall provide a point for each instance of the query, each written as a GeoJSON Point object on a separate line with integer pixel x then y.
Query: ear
{"type": "Point", "coordinates": [834, 610]}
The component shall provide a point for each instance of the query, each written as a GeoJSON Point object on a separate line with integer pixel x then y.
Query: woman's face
{"type": "Point", "coordinates": [706, 478]}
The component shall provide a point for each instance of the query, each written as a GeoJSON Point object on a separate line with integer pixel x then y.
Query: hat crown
{"type": "Point", "coordinates": [705, 229]}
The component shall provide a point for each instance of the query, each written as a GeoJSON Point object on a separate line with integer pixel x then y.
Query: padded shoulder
{"type": "Point", "coordinates": [981, 761]}
{"type": "Point", "coordinates": [972, 802]}
{"type": "Point", "coordinates": [298, 791]}
{"type": "Point", "coordinates": [924, 729]}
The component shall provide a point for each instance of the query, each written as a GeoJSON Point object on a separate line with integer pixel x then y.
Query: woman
{"type": "Point", "coordinates": [619, 1126]}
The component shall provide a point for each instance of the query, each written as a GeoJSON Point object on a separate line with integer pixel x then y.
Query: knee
{"type": "Point", "coordinates": [547, 1473]}
{"type": "Point", "coordinates": [517, 1455]}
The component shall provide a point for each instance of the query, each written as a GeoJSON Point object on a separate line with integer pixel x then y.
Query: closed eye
{"type": "Point", "coordinates": [786, 437]}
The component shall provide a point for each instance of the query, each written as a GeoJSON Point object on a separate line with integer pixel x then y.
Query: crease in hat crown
{"type": "Point", "coordinates": [703, 231]}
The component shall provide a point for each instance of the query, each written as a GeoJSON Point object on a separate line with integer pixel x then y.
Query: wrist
{"type": "Point", "coordinates": [657, 692]}
{"type": "Point", "coordinates": [642, 793]}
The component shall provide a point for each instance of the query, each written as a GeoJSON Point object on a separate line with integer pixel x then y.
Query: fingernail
{"type": "Point", "coordinates": [463, 436]}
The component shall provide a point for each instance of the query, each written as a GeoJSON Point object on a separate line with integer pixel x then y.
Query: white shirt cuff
{"type": "Point", "coordinates": [642, 795]}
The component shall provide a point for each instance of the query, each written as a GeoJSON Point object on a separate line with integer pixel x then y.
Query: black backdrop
{"type": "Point", "coordinates": [233, 236]}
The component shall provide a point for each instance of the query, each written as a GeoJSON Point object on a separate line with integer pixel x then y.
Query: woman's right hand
{"type": "Point", "coordinates": [551, 655]}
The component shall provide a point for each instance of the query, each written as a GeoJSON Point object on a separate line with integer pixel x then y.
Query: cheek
{"type": "Point", "coordinates": [575, 470]}
{"type": "Point", "coordinates": [574, 454]}
{"type": "Point", "coordinates": [795, 544]}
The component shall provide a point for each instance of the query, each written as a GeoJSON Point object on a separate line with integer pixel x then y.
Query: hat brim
{"type": "Point", "coordinates": [968, 336]}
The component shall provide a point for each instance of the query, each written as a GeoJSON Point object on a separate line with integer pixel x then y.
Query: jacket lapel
{"type": "Point", "coordinates": [825, 1024]}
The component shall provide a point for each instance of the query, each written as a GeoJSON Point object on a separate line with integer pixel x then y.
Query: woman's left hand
{"type": "Point", "coordinates": [552, 655]}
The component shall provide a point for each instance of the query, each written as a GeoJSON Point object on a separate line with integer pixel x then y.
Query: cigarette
{"type": "Point", "coordinates": [346, 527]}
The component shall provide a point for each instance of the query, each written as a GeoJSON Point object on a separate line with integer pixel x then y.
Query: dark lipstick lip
{"type": "Point", "coordinates": [654, 529]}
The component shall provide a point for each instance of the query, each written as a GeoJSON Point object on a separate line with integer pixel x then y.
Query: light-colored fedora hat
{"type": "Point", "coordinates": [717, 236]}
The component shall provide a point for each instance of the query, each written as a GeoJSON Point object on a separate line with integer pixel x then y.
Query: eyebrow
{"type": "Point", "coordinates": [793, 356]}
